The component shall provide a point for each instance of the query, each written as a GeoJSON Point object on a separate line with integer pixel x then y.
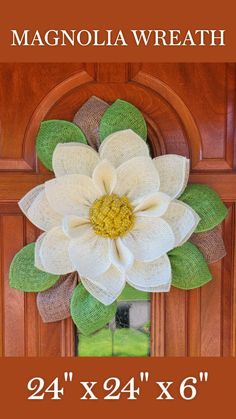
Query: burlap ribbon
{"type": "Point", "coordinates": [88, 119]}
{"type": "Point", "coordinates": [210, 243]}
{"type": "Point", "coordinates": [54, 303]}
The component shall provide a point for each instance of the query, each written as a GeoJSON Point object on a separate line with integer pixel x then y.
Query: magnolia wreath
{"type": "Point", "coordinates": [112, 217]}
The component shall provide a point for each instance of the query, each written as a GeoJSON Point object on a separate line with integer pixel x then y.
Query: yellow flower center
{"type": "Point", "coordinates": [112, 216]}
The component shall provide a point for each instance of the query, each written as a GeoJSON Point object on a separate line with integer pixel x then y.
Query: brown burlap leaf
{"type": "Point", "coordinates": [54, 303]}
{"type": "Point", "coordinates": [210, 243]}
{"type": "Point", "coordinates": [88, 119]}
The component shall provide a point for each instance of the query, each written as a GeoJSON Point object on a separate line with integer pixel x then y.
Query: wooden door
{"type": "Point", "coordinates": [190, 110]}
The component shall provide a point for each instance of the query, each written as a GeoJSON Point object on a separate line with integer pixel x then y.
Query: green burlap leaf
{"type": "Point", "coordinates": [89, 314]}
{"type": "Point", "coordinates": [25, 276]}
{"type": "Point", "coordinates": [207, 204]}
{"type": "Point", "coordinates": [189, 268]}
{"type": "Point", "coordinates": [52, 133]}
{"type": "Point", "coordinates": [122, 115]}
{"type": "Point", "coordinates": [131, 294]}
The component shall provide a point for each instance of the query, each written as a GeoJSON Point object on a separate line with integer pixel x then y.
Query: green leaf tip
{"type": "Point", "coordinates": [25, 276]}
{"type": "Point", "coordinates": [53, 132]}
{"type": "Point", "coordinates": [122, 115]}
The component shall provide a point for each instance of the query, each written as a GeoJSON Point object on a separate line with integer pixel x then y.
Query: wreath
{"type": "Point", "coordinates": [112, 218]}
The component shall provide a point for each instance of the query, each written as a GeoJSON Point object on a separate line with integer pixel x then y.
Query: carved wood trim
{"type": "Point", "coordinates": [187, 120]}
{"type": "Point", "coordinates": [28, 162]}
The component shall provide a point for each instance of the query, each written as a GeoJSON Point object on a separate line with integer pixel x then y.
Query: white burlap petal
{"type": "Point", "coordinates": [29, 198]}
{"type": "Point", "coordinates": [71, 194]}
{"type": "Point", "coordinates": [121, 146]}
{"type": "Point", "coordinates": [90, 254]}
{"type": "Point", "coordinates": [73, 226]}
{"type": "Point", "coordinates": [183, 221]}
{"type": "Point", "coordinates": [41, 214]}
{"type": "Point", "coordinates": [120, 255]}
{"type": "Point", "coordinates": [74, 158]}
{"type": "Point", "coordinates": [107, 287]}
{"type": "Point", "coordinates": [37, 258]}
{"type": "Point", "coordinates": [160, 288]}
{"type": "Point", "coordinates": [173, 171]}
{"type": "Point", "coordinates": [105, 177]}
{"type": "Point", "coordinates": [150, 276]}
{"type": "Point", "coordinates": [153, 206]}
{"type": "Point", "coordinates": [149, 239]}
{"type": "Point", "coordinates": [137, 178]}
{"type": "Point", "coordinates": [54, 254]}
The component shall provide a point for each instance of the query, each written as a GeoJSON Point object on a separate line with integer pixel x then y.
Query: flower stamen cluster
{"type": "Point", "coordinates": [112, 216]}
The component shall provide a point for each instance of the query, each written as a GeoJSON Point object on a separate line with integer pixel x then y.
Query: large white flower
{"type": "Point", "coordinates": [111, 215]}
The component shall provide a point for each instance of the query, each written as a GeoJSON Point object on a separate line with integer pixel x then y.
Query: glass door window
{"type": "Point", "coordinates": [128, 334]}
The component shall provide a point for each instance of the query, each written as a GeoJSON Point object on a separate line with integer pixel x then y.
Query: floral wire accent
{"type": "Point", "coordinates": [111, 218]}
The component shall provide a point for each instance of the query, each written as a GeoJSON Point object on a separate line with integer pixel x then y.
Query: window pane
{"type": "Point", "coordinates": [128, 334]}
